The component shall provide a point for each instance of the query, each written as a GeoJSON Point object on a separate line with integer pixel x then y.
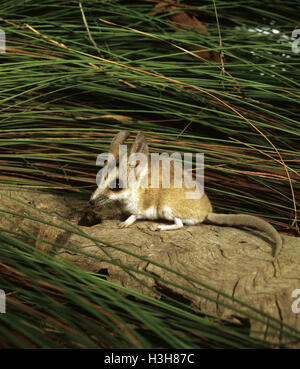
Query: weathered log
{"type": "Point", "coordinates": [236, 261]}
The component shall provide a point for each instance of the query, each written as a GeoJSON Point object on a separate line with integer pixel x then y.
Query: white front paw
{"type": "Point", "coordinates": [123, 225]}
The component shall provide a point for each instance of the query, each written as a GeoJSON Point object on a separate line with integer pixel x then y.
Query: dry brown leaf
{"type": "Point", "coordinates": [184, 20]}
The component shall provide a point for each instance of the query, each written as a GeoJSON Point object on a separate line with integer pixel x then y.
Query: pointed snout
{"type": "Point", "coordinates": [98, 200]}
{"type": "Point", "coordinates": [93, 198]}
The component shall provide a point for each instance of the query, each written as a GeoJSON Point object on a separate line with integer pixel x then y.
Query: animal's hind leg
{"type": "Point", "coordinates": [164, 227]}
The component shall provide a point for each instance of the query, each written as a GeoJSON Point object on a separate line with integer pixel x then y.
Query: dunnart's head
{"type": "Point", "coordinates": [122, 171]}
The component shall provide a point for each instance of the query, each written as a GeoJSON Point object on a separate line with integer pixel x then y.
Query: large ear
{"type": "Point", "coordinates": [138, 156]}
{"type": "Point", "coordinates": [116, 141]}
{"type": "Point", "coordinates": [139, 145]}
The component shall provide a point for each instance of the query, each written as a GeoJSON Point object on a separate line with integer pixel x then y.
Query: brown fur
{"type": "Point", "coordinates": [171, 203]}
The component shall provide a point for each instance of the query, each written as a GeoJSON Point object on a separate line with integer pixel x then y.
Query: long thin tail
{"type": "Point", "coordinates": [248, 221]}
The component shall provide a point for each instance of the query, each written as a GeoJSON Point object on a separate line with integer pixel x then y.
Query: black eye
{"type": "Point", "coordinates": [117, 185]}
